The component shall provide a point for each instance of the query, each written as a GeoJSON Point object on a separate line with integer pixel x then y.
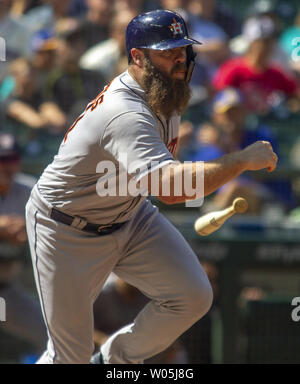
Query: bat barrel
{"type": "Point", "coordinates": [240, 205]}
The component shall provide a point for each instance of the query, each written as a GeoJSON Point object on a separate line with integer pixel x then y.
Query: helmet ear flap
{"type": "Point", "coordinates": [190, 61]}
{"type": "Point", "coordinates": [190, 58]}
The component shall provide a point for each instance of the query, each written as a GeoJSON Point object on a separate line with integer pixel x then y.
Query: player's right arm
{"type": "Point", "coordinates": [218, 172]}
{"type": "Point", "coordinates": [133, 134]}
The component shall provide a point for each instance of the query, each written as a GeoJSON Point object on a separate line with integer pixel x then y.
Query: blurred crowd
{"type": "Point", "coordinates": [60, 53]}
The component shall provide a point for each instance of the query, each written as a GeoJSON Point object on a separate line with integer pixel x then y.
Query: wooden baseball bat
{"type": "Point", "coordinates": [212, 221]}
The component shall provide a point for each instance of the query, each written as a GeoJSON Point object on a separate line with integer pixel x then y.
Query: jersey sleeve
{"type": "Point", "coordinates": [133, 140]}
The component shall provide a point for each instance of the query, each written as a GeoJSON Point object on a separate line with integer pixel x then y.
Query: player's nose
{"type": "Point", "coordinates": [180, 55]}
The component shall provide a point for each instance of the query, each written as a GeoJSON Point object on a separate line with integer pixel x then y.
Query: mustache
{"type": "Point", "coordinates": [178, 67]}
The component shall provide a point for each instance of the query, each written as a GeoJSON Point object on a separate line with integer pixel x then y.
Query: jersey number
{"type": "Point", "coordinates": [92, 105]}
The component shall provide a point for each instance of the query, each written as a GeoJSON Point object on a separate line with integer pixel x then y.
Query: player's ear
{"type": "Point", "coordinates": [137, 56]}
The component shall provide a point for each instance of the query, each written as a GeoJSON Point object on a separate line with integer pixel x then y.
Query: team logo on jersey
{"type": "Point", "coordinates": [176, 28]}
{"type": "Point", "coordinates": [172, 146]}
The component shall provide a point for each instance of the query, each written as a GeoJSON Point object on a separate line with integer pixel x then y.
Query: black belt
{"type": "Point", "coordinates": [81, 224]}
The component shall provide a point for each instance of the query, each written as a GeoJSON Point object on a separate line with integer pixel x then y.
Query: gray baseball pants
{"type": "Point", "coordinates": [71, 266]}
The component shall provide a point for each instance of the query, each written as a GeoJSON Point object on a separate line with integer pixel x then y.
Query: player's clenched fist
{"type": "Point", "coordinates": [259, 155]}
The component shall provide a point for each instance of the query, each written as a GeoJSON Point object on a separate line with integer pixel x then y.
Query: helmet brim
{"type": "Point", "coordinates": [169, 44]}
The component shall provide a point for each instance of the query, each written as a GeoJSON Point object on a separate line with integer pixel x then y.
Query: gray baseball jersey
{"type": "Point", "coordinates": [71, 265]}
{"type": "Point", "coordinates": [118, 126]}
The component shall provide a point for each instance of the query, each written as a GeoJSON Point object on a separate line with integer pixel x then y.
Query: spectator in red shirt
{"type": "Point", "coordinates": [260, 82]}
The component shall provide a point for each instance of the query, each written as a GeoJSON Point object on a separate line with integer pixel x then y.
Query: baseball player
{"type": "Point", "coordinates": [78, 234]}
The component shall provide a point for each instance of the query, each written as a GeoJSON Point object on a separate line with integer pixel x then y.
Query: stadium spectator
{"type": "Point", "coordinates": [25, 104]}
{"type": "Point", "coordinates": [290, 43]}
{"type": "Point", "coordinates": [261, 83]}
{"type": "Point", "coordinates": [230, 114]}
{"type": "Point", "coordinates": [95, 25]}
{"type": "Point", "coordinates": [118, 305]}
{"type": "Point", "coordinates": [215, 41]}
{"type": "Point", "coordinates": [282, 12]}
{"type": "Point", "coordinates": [134, 6]}
{"type": "Point", "coordinates": [269, 9]}
{"type": "Point", "coordinates": [23, 314]}
{"type": "Point", "coordinates": [43, 49]}
{"type": "Point", "coordinates": [20, 7]}
{"type": "Point", "coordinates": [231, 130]}
{"type": "Point", "coordinates": [51, 15]}
{"type": "Point", "coordinates": [105, 56]}
{"type": "Point", "coordinates": [44, 54]}
{"type": "Point", "coordinates": [15, 34]}
{"type": "Point", "coordinates": [77, 8]}
{"type": "Point", "coordinates": [172, 5]}
{"type": "Point", "coordinates": [69, 86]}
{"type": "Point", "coordinates": [218, 13]}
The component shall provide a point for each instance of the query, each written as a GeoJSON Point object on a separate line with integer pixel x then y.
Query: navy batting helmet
{"type": "Point", "coordinates": [160, 30]}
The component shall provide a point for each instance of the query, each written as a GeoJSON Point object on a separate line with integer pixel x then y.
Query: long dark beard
{"type": "Point", "coordinates": [163, 94]}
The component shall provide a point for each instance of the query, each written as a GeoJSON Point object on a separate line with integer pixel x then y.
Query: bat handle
{"type": "Point", "coordinates": [228, 212]}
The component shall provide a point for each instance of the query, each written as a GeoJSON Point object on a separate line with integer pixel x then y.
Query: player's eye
{"type": "Point", "coordinates": [167, 52]}
{"type": "Point", "coordinates": [173, 52]}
